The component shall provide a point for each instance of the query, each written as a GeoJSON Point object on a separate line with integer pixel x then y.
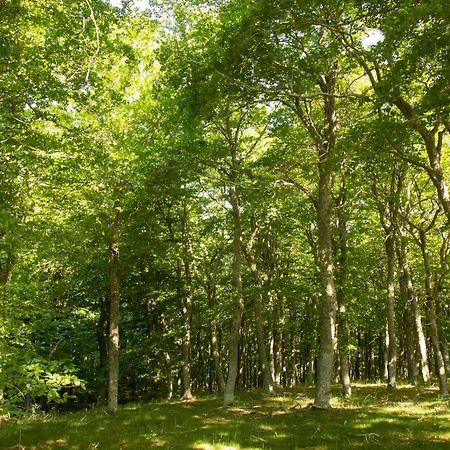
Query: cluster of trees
{"type": "Point", "coordinates": [249, 194]}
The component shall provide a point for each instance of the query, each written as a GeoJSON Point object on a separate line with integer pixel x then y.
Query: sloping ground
{"type": "Point", "coordinates": [409, 418]}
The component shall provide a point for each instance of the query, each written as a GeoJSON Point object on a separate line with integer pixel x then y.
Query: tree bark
{"type": "Point", "coordinates": [186, 309]}
{"type": "Point", "coordinates": [215, 354]}
{"type": "Point", "coordinates": [390, 284]}
{"type": "Point", "coordinates": [327, 339]}
{"type": "Point", "coordinates": [412, 299]}
{"type": "Point", "coordinates": [233, 355]}
{"type": "Point", "coordinates": [114, 296]}
{"type": "Point", "coordinates": [343, 328]}
{"type": "Point", "coordinates": [327, 336]}
{"type": "Point", "coordinates": [431, 312]}
{"type": "Point", "coordinates": [260, 335]}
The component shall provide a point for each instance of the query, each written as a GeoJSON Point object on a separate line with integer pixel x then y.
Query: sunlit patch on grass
{"type": "Point", "coordinates": [373, 418]}
{"type": "Point", "coordinates": [207, 446]}
{"type": "Point", "coordinates": [56, 442]}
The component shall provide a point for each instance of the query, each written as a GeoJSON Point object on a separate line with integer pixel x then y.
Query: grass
{"type": "Point", "coordinates": [410, 417]}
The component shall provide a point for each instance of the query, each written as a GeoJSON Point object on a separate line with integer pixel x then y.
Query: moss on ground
{"type": "Point", "coordinates": [410, 417]}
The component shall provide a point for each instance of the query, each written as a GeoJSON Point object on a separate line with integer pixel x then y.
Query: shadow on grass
{"type": "Point", "coordinates": [408, 418]}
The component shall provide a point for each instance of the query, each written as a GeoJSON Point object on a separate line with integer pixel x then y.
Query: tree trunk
{"type": "Point", "coordinates": [343, 328]}
{"type": "Point", "coordinates": [390, 283]}
{"type": "Point", "coordinates": [114, 296]}
{"type": "Point", "coordinates": [412, 298]}
{"type": "Point", "coordinates": [328, 301]}
{"type": "Point", "coordinates": [168, 365]}
{"type": "Point", "coordinates": [278, 343]}
{"type": "Point", "coordinates": [215, 354]}
{"type": "Point", "coordinates": [325, 143]}
{"type": "Point", "coordinates": [228, 398]}
{"type": "Point", "coordinates": [260, 334]}
{"type": "Point", "coordinates": [431, 310]}
{"type": "Point", "coordinates": [186, 307]}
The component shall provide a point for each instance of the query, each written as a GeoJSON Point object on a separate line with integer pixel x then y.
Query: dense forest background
{"type": "Point", "coordinates": [222, 195]}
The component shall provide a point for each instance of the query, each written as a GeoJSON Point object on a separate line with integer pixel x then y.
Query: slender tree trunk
{"type": "Point", "coordinates": [445, 354]}
{"type": "Point", "coordinates": [431, 310]}
{"type": "Point", "coordinates": [167, 362]}
{"type": "Point", "coordinates": [102, 332]}
{"type": "Point", "coordinates": [343, 328]}
{"type": "Point", "coordinates": [228, 398]}
{"type": "Point", "coordinates": [215, 354]}
{"type": "Point", "coordinates": [260, 334]}
{"type": "Point", "coordinates": [412, 299]}
{"type": "Point", "coordinates": [292, 368]}
{"type": "Point", "coordinates": [310, 370]}
{"type": "Point", "coordinates": [114, 296]}
{"type": "Point", "coordinates": [390, 282]}
{"type": "Point", "coordinates": [186, 307]}
{"type": "Point", "coordinates": [385, 354]}
{"type": "Point", "coordinates": [278, 343]}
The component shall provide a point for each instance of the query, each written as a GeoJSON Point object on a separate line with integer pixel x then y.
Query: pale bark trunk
{"type": "Point", "coordinates": [343, 328]}
{"type": "Point", "coordinates": [215, 354]}
{"type": "Point", "coordinates": [228, 398]}
{"type": "Point", "coordinates": [292, 370]}
{"type": "Point", "coordinates": [445, 354]}
{"type": "Point", "coordinates": [385, 354]}
{"type": "Point", "coordinates": [324, 141]}
{"type": "Point", "coordinates": [278, 343]}
{"type": "Point", "coordinates": [327, 340]}
{"type": "Point", "coordinates": [264, 360]}
{"type": "Point", "coordinates": [390, 283]}
{"type": "Point", "coordinates": [186, 308]}
{"type": "Point", "coordinates": [169, 376]}
{"type": "Point", "coordinates": [412, 299]}
{"type": "Point", "coordinates": [186, 347]}
{"type": "Point", "coordinates": [260, 334]}
{"type": "Point", "coordinates": [310, 370]}
{"type": "Point", "coordinates": [431, 310]}
{"type": "Point", "coordinates": [114, 297]}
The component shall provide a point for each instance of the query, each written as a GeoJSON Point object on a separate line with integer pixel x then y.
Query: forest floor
{"type": "Point", "coordinates": [410, 417]}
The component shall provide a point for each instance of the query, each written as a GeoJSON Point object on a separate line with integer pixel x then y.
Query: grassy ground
{"type": "Point", "coordinates": [409, 418]}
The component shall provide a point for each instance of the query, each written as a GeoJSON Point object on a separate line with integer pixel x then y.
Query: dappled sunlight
{"type": "Point", "coordinates": [207, 446]}
{"type": "Point", "coordinates": [57, 442]}
{"type": "Point", "coordinates": [370, 418]}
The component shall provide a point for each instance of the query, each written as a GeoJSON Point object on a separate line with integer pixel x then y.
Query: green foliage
{"type": "Point", "coordinates": [29, 381]}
